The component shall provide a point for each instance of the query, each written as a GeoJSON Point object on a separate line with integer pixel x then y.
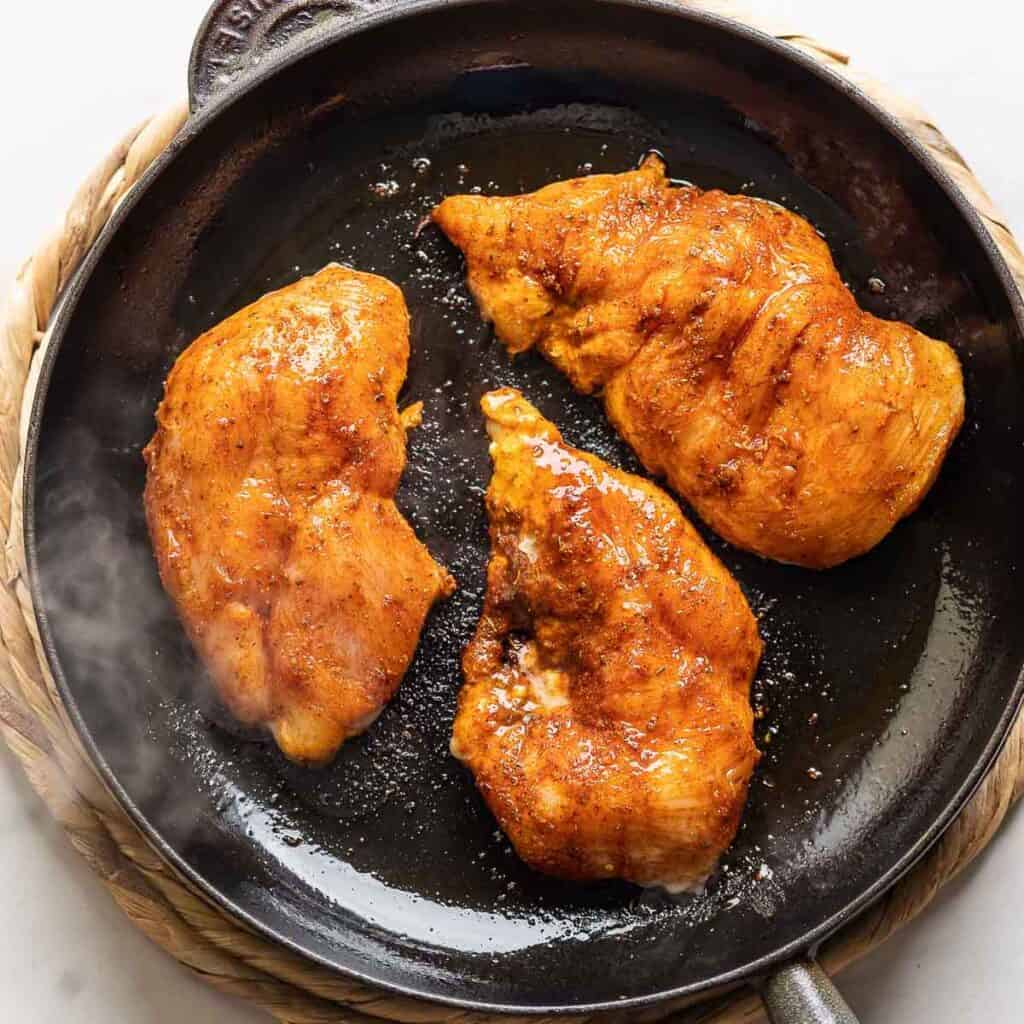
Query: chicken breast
{"type": "Point", "coordinates": [606, 712]}
{"type": "Point", "coordinates": [269, 496]}
{"type": "Point", "coordinates": [728, 351]}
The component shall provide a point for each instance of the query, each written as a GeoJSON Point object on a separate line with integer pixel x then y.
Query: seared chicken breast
{"type": "Point", "coordinates": [728, 351]}
{"type": "Point", "coordinates": [605, 713]}
{"type": "Point", "coordinates": [269, 497]}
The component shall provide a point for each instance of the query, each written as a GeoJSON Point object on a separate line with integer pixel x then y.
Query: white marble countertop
{"type": "Point", "coordinates": [75, 77]}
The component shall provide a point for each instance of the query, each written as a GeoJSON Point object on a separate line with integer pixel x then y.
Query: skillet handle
{"type": "Point", "coordinates": [802, 993]}
{"type": "Point", "coordinates": [238, 35]}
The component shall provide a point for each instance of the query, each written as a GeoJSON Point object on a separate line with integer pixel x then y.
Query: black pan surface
{"type": "Point", "coordinates": [887, 684]}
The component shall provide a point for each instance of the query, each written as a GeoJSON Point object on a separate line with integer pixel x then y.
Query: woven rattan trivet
{"type": "Point", "coordinates": [38, 732]}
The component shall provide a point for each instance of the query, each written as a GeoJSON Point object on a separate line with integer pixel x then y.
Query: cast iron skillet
{"type": "Point", "coordinates": [888, 684]}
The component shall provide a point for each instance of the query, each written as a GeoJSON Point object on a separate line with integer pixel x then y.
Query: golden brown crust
{"type": "Point", "coordinates": [729, 353]}
{"type": "Point", "coordinates": [605, 713]}
{"type": "Point", "coordinates": [278, 451]}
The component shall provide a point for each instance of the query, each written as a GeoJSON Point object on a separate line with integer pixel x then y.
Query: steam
{"type": "Point", "coordinates": [125, 658]}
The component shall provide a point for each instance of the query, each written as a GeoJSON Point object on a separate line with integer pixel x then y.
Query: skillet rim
{"type": "Point", "coordinates": [204, 116]}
